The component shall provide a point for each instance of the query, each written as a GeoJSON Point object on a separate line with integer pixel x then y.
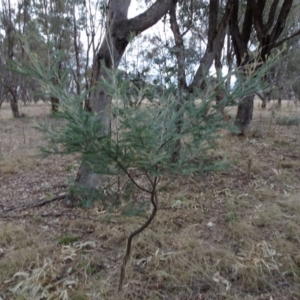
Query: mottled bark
{"type": "Point", "coordinates": [108, 56]}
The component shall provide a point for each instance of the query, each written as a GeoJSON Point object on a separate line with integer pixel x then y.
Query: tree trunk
{"type": "Point", "coordinates": [108, 58]}
{"type": "Point", "coordinates": [14, 104]}
{"type": "Point", "coordinates": [14, 107]}
{"type": "Point", "coordinates": [244, 114]}
{"type": "Point", "coordinates": [181, 79]}
{"type": "Point", "coordinates": [100, 103]}
{"type": "Point", "coordinates": [279, 102]}
{"type": "Point", "coordinates": [54, 104]}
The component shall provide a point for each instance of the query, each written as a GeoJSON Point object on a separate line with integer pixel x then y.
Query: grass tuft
{"type": "Point", "coordinates": [288, 121]}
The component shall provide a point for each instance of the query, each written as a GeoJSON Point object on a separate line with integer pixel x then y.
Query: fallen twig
{"type": "Point", "coordinates": [38, 203]}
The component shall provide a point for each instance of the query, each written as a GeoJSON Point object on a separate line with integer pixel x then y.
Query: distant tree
{"type": "Point", "coordinates": [9, 81]}
{"type": "Point", "coordinates": [285, 78]}
{"type": "Point", "coordinates": [268, 23]}
{"type": "Point", "coordinates": [191, 40]}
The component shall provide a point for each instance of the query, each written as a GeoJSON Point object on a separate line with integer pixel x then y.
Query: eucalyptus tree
{"type": "Point", "coordinates": [68, 30]}
{"type": "Point", "coordinates": [183, 51]}
{"type": "Point", "coordinates": [54, 19]}
{"type": "Point", "coordinates": [86, 29]}
{"type": "Point", "coordinates": [285, 79]}
{"type": "Point", "coordinates": [216, 31]}
{"type": "Point", "coordinates": [27, 29]}
{"type": "Point", "coordinates": [9, 40]}
{"type": "Point", "coordinates": [118, 31]}
{"type": "Point", "coordinates": [144, 144]}
{"type": "Point", "coordinates": [264, 22]}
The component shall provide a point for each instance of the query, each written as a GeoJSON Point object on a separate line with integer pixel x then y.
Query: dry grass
{"type": "Point", "coordinates": [41, 109]}
{"type": "Point", "coordinates": [228, 235]}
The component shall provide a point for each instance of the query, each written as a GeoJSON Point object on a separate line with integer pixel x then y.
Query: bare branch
{"type": "Point", "coordinates": [286, 38]}
{"type": "Point", "coordinates": [146, 19]}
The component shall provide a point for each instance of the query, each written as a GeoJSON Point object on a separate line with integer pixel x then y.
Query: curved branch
{"type": "Point", "coordinates": [131, 178]}
{"type": "Point", "coordinates": [144, 20]}
{"type": "Point", "coordinates": [137, 231]}
{"type": "Point", "coordinates": [286, 39]}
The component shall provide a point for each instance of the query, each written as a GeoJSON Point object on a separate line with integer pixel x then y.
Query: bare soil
{"type": "Point", "coordinates": [234, 234]}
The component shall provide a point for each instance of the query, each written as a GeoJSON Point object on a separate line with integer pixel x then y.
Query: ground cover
{"type": "Point", "coordinates": [228, 235]}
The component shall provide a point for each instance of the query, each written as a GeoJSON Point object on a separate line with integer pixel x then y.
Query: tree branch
{"type": "Point", "coordinates": [180, 56]}
{"type": "Point", "coordinates": [286, 39]}
{"type": "Point", "coordinates": [216, 44]}
{"type": "Point", "coordinates": [280, 24]}
{"type": "Point", "coordinates": [137, 231]}
{"type": "Point", "coordinates": [258, 11]}
{"type": "Point", "coordinates": [272, 15]}
{"type": "Point", "coordinates": [247, 27]}
{"type": "Point", "coordinates": [146, 19]}
{"type": "Point", "coordinates": [35, 204]}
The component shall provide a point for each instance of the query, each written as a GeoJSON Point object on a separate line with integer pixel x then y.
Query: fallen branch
{"type": "Point", "coordinates": [34, 204]}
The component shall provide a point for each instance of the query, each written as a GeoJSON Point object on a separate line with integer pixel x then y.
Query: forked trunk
{"type": "Point", "coordinates": [108, 58]}
{"type": "Point", "coordinates": [268, 29]}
